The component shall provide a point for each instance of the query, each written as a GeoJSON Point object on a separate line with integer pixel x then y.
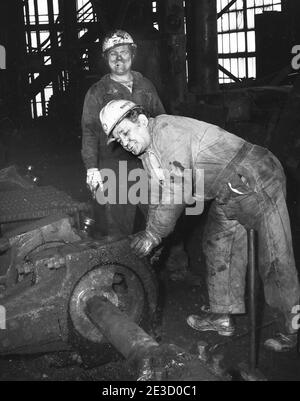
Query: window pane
{"type": "Point", "coordinates": [242, 67]}
{"type": "Point", "coordinates": [220, 44]}
{"type": "Point", "coordinates": [251, 41]}
{"type": "Point", "coordinates": [252, 67]}
{"type": "Point", "coordinates": [241, 42]}
{"type": "Point", "coordinates": [239, 5]}
{"type": "Point", "coordinates": [234, 67]}
{"type": "Point", "coordinates": [233, 43]}
{"type": "Point", "coordinates": [233, 21]}
{"type": "Point", "coordinates": [259, 3]}
{"type": "Point", "coordinates": [240, 20]}
{"type": "Point", "coordinates": [250, 18]}
{"type": "Point", "coordinates": [226, 45]}
{"type": "Point", "coordinates": [55, 7]}
{"type": "Point", "coordinates": [225, 22]}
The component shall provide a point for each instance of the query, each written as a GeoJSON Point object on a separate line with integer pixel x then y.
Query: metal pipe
{"type": "Point", "coordinates": [152, 361]}
{"type": "Point", "coordinates": [125, 335]}
{"type": "Point", "coordinates": [252, 304]}
{"type": "Point", "coordinates": [202, 46]}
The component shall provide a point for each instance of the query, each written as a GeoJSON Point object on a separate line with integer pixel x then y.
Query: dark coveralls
{"type": "Point", "coordinates": [95, 152]}
{"type": "Point", "coordinates": [247, 185]}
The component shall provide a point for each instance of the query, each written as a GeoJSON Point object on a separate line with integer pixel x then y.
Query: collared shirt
{"type": "Point", "coordinates": [94, 148]}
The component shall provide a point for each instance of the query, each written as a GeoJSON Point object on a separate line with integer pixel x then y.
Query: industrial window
{"type": "Point", "coordinates": [42, 17]}
{"type": "Point", "coordinates": [38, 14]}
{"type": "Point", "coordinates": [85, 11]}
{"type": "Point", "coordinates": [236, 36]}
{"type": "Point", "coordinates": [155, 17]}
{"type": "Point", "coordinates": [40, 103]}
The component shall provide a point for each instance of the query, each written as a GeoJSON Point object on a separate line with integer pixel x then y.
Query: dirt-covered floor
{"type": "Point", "coordinates": [180, 296]}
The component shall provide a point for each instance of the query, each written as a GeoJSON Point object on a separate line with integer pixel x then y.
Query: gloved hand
{"type": "Point", "coordinates": [94, 180]}
{"type": "Point", "coordinates": [143, 243]}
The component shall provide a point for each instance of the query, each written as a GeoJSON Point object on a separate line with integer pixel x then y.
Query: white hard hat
{"type": "Point", "coordinates": [113, 113]}
{"type": "Point", "coordinates": [117, 38]}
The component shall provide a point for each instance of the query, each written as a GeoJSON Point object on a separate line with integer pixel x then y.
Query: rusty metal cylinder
{"type": "Point", "coordinates": [125, 335]}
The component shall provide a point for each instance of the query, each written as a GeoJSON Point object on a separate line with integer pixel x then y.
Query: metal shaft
{"type": "Point", "coordinates": [252, 303]}
{"type": "Point", "coordinates": [125, 335]}
{"type": "Point", "coordinates": [153, 361]}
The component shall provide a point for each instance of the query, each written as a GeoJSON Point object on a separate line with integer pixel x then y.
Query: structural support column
{"type": "Point", "coordinates": [171, 26]}
{"type": "Point", "coordinates": [202, 45]}
{"type": "Point", "coordinates": [70, 39]}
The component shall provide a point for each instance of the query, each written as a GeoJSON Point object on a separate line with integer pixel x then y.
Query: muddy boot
{"type": "Point", "coordinates": [220, 323]}
{"type": "Point", "coordinates": [282, 342]}
{"type": "Point", "coordinates": [287, 338]}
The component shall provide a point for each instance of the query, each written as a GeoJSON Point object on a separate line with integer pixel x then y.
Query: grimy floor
{"type": "Point", "coordinates": [63, 169]}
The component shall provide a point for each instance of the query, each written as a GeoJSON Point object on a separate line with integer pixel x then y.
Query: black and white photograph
{"type": "Point", "coordinates": [149, 193]}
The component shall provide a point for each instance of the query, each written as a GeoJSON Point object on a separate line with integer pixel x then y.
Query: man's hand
{"type": "Point", "coordinates": [143, 243]}
{"type": "Point", "coordinates": [94, 180]}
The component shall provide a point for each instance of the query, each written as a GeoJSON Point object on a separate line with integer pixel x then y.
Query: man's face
{"type": "Point", "coordinates": [134, 137]}
{"type": "Point", "coordinates": [120, 59]}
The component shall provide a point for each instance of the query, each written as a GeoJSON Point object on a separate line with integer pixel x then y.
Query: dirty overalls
{"type": "Point", "coordinates": [96, 153]}
{"type": "Point", "coordinates": [247, 185]}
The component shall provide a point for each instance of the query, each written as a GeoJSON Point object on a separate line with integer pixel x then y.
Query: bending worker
{"type": "Point", "coordinates": [121, 83]}
{"type": "Point", "coordinates": [247, 185]}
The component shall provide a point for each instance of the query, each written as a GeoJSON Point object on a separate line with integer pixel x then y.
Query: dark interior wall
{"type": "Point", "coordinates": [276, 34]}
{"type": "Point", "coordinates": [13, 39]}
{"type": "Point", "coordinates": [133, 15]}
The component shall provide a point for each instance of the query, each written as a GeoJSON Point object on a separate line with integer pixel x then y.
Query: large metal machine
{"type": "Point", "coordinates": [49, 271]}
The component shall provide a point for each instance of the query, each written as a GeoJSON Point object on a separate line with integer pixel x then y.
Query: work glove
{"type": "Point", "coordinates": [144, 242]}
{"type": "Point", "coordinates": [94, 180]}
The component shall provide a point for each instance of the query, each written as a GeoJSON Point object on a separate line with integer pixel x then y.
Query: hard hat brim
{"type": "Point", "coordinates": [110, 139]}
{"type": "Point", "coordinates": [118, 45]}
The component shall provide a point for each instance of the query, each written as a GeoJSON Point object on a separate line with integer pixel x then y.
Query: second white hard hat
{"type": "Point", "coordinates": [117, 38]}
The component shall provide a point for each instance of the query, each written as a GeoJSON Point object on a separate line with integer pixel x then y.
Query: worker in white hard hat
{"type": "Point", "coordinates": [246, 184]}
{"type": "Point", "coordinates": [121, 83]}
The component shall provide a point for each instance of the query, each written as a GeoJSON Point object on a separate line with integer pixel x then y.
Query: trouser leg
{"type": "Point", "coordinates": [265, 210]}
{"type": "Point", "coordinates": [225, 249]}
{"type": "Point", "coordinates": [276, 258]}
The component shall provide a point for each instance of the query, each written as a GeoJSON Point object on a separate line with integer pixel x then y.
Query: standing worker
{"type": "Point", "coordinates": [121, 83]}
{"type": "Point", "coordinates": [247, 185]}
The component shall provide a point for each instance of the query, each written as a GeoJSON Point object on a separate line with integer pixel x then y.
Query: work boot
{"type": "Point", "coordinates": [282, 342]}
{"type": "Point", "coordinates": [222, 324]}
